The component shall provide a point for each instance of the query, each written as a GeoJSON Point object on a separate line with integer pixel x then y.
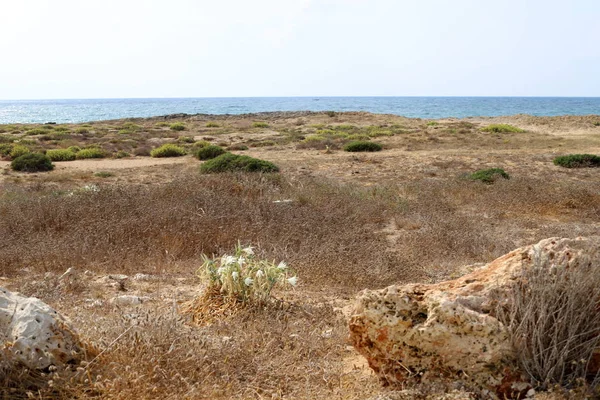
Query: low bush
{"type": "Point", "coordinates": [168, 150]}
{"type": "Point", "coordinates": [238, 147]}
{"type": "Point", "coordinates": [209, 152]}
{"type": "Point", "coordinates": [553, 321]}
{"type": "Point", "coordinates": [260, 125]}
{"type": "Point", "coordinates": [330, 114]}
{"type": "Point", "coordinates": [578, 161]}
{"type": "Point", "coordinates": [121, 154]}
{"type": "Point", "coordinates": [229, 162]}
{"type": "Point", "coordinates": [264, 143]}
{"type": "Point", "coordinates": [36, 131]}
{"type": "Point", "coordinates": [502, 128]}
{"type": "Point", "coordinates": [82, 131]}
{"type": "Point", "coordinates": [74, 149]}
{"type": "Point", "coordinates": [212, 125]}
{"type": "Point", "coordinates": [244, 277]}
{"type": "Point", "coordinates": [5, 149]}
{"type": "Point", "coordinates": [200, 143]}
{"type": "Point", "coordinates": [362, 146]}
{"type": "Point", "coordinates": [185, 139]}
{"type": "Point", "coordinates": [32, 162]}
{"type": "Point", "coordinates": [597, 123]}
{"type": "Point", "coordinates": [61, 155]}
{"type": "Point", "coordinates": [104, 174]}
{"type": "Point", "coordinates": [91, 152]}
{"type": "Point", "coordinates": [177, 126]}
{"type": "Point", "coordinates": [18, 150]}
{"type": "Point", "coordinates": [489, 176]}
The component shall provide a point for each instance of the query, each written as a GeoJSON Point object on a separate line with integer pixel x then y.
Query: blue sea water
{"type": "Point", "coordinates": [63, 111]}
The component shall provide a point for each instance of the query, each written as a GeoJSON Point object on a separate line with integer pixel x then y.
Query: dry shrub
{"type": "Point", "coordinates": [554, 322]}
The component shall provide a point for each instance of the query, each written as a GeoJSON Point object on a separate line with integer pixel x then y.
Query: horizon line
{"type": "Point", "coordinates": [290, 97]}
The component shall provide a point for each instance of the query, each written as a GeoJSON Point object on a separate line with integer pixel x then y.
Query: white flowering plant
{"type": "Point", "coordinates": [243, 276]}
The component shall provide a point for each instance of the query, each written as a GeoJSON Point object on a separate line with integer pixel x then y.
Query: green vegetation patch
{"type": "Point", "coordinates": [260, 124]}
{"type": "Point", "coordinates": [578, 161]}
{"type": "Point", "coordinates": [18, 150]}
{"type": "Point", "coordinates": [209, 152]}
{"type": "Point", "coordinates": [61, 155]}
{"type": "Point", "coordinates": [230, 162]}
{"type": "Point", "coordinates": [489, 176]}
{"type": "Point", "coordinates": [177, 126]}
{"type": "Point", "coordinates": [104, 174]}
{"type": "Point", "coordinates": [502, 128]}
{"type": "Point", "coordinates": [92, 152]}
{"type": "Point", "coordinates": [168, 150]}
{"type": "Point", "coordinates": [212, 125]}
{"type": "Point", "coordinates": [362, 146]}
{"type": "Point", "coordinates": [36, 131]}
{"type": "Point", "coordinates": [32, 162]}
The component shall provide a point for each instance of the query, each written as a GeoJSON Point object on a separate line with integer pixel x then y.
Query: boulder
{"type": "Point", "coordinates": [447, 331]}
{"type": "Point", "coordinates": [35, 335]}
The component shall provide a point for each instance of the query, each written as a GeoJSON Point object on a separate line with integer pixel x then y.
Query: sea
{"type": "Point", "coordinates": [85, 110]}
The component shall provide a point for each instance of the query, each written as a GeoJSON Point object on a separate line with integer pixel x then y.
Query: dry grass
{"type": "Point", "coordinates": [554, 323]}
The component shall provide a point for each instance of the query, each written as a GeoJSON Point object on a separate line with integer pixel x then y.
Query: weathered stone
{"type": "Point", "coordinates": [35, 335]}
{"type": "Point", "coordinates": [445, 331]}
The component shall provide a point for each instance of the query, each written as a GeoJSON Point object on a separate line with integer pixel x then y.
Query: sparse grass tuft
{"type": "Point", "coordinates": [91, 152]}
{"type": "Point", "coordinates": [260, 124]}
{"type": "Point", "coordinates": [489, 176]}
{"type": "Point", "coordinates": [104, 174]}
{"type": "Point", "coordinates": [209, 152]}
{"type": "Point", "coordinates": [330, 114]}
{"type": "Point", "coordinates": [168, 150]}
{"type": "Point", "coordinates": [229, 162]}
{"type": "Point", "coordinates": [502, 128]}
{"type": "Point", "coordinates": [177, 126]}
{"type": "Point", "coordinates": [362, 146]}
{"type": "Point", "coordinates": [82, 131]}
{"type": "Point", "coordinates": [578, 161]}
{"type": "Point", "coordinates": [185, 139]}
{"type": "Point", "coordinates": [238, 147]}
{"type": "Point", "coordinates": [61, 155]}
{"type": "Point", "coordinates": [121, 154]}
{"type": "Point", "coordinates": [213, 125]}
{"type": "Point", "coordinates": [32, 162]}
{"type": "Point", "coordinates": [36, 131]}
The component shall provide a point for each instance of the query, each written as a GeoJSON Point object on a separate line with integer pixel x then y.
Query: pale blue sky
{"type": "Point", "coordinates": [236, 48]}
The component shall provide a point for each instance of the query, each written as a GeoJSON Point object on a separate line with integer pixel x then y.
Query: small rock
{"type": "Point", "coordinates": [128, 300]}
{"type": "Point", "coordinates": [118, 277]}
{"type": "Point", "coordinates": [143, 277]}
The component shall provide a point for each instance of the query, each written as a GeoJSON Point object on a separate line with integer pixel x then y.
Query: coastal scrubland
{"type": "Point", "coordinates": [414, 211]}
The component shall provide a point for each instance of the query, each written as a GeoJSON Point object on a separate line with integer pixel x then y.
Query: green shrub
{"type": "Point", "coordinates": [91, 152]}
{"type": "Point", "coordinates": [104, 174]}
{"type": "Point", "coordinates": [597, 123]}
{"type": "Point", "coordinates": [6, 139]}
{"type": "Point", "coordinates": [209, 152]}
{"type": "Point", "coordinates": [61, 129]}
{"type": "Point", "coordinates": [264, 143]}
{"type": "Point", "coordinates": [5, 149]}
{"type": "Point", "coordinates": [330, 114]}
{"type": "Point", "coordinates": [74, 149]}
{"type": "Point", "coordinates": [32, 162]}
{"type": "Point", "coordinates": [18, 150]}
{"type": "Point", "coordinates": [185, 139]}
{"type": "Point", "coordinates": [212, 125]}
{"type": "Point", "coordinates": [578, 161]}
{"type": "Point", "coordinates": [177, 126]}
{"type": "Point", "coordinates": [36, 131]}
{"type": "Point", "coordinates": [358, 137]}
{"type": "Point", "coordinates": [82, 131]}
{"type": "Point", "coordinates": [362, 146]}
{"type": "Point", "coordinates": [502, 128]}
{"type": "Point", "coordinates": [61, 155]}
{"type": "Point", "coordinates": [238, 147]}
{"type": "Point", "coordinates": [125, 132]}
{"type": "Point", "coordinates": [168, 150]}
{"type": "Point", "coordinates": [260, 125]}
{"type": "Point", "coordinates": [121, 154]}
{"type": "Point", "coordinates": [489, 176]}
{"type": "Point", "coordinates": [48, 127]}
{"type": "Point", "coordinates": [433, 123]}
{"type": "Point", "coordinates": [161, 124]}
{"type": "Point", "coordinates": [201, 143]}
{"type": "Point", "coordinates": [229, 162]}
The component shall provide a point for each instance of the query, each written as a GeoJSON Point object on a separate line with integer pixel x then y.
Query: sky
{"type": "Point", "coordinates": [61, 49]}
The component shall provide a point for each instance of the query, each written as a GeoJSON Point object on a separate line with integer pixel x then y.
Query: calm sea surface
{"type": "Point", "coordinates": [39, 111]}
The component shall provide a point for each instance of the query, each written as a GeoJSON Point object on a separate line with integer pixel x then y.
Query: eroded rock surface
{"type": "Point", "coordinates": [35, 335]}
{"type": "Point", "coordinates": [445, 330]}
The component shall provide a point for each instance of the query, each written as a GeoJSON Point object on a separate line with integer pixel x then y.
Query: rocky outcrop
{"type": "Point", "coordinates": [447, 330]}
{"type": "Point", "coordinates": [35, 335]}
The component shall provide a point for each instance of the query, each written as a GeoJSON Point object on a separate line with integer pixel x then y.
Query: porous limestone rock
{"type": "Point", "coordinates": [35, 335]}
{"type": "Point", "coordinates": [429, 332]}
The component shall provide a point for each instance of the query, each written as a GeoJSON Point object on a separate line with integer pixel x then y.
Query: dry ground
{"type": "Point", "coordinates": [354, 221]}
